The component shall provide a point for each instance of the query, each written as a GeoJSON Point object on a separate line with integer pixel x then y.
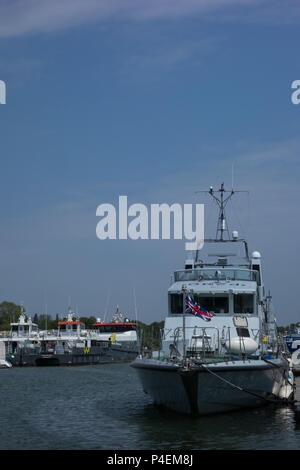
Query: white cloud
{"type": "Point", "coordinates": [18, 17]}
{"type": "Point", "coordinates": [167, 55]}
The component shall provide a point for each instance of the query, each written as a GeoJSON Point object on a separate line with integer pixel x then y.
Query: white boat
{"type": "Point", "coordinates": [295, 358]}
{"type": "Point", "coordinates": [71, 344]}
{"type": "Point", "coordinates": [4, 364]}
{"type": "Point", "coordinates": [119, 331]}
{"type": "Point", "coordinates": [23, 339]}
{"type": "Point", "coordinates": [220, 350]}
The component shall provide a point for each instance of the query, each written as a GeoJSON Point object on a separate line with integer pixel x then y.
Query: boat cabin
{"type": "Point", "coordinates": [114, 327]}
{"type": "Point", "coordinates": [23, 328]}
{"type": "Point", "coordinates": [220, 286]}
{"type": "Point", "coordinates": [219, 291]}
{"type": "Point", "coordinates": [70, 327]}
{"type": "Point", "coordinates": [118, 324]}
{"type": "Point", "coordinates": [216, 300]}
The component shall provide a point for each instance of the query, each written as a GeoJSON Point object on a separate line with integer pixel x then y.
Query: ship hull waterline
{"type": "Point", "coordinates": [212, 388]}
{"type": "Point", "coordinates": [105, 356]}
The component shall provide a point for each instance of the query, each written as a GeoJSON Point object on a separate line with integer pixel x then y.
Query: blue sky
{"type": "Point", "coordinates": [153, 100]}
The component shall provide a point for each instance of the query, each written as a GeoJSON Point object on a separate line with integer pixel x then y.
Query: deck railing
{"type": "Point", "coordinates": [211, 342]}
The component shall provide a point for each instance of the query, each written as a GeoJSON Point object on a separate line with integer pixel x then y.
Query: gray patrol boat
{"type": "Point", "coordinates": [220, 350]}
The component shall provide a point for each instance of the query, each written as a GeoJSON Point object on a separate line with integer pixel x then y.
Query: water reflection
{"type": "Point", "coordinates": [104, 407]}
{"type": "Point", "coordinates": [269, 427]}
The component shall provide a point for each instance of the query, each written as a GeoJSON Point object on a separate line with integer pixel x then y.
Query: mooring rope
{"type": "Point", "coordinates": [237, 386]}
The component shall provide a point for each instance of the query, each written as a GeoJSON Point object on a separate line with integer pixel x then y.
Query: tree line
{"type": "Point", "coordinates": [10, 313]}
{"type": "Point", "coordinates": [150, 335]}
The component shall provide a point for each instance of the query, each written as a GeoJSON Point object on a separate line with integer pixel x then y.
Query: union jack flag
{"type": "Point", "coordinates": [192, 307]}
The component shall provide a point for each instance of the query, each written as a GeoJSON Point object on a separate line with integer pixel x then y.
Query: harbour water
{"type": "Point", "coordinates": [104, 407]}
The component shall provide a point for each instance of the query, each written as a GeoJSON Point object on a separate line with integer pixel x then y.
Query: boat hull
{"type": "Point", "coordinates": [4, 364]}
{"type": "Point", "coordinates": [76, 357]}
{"type": "Point", "coordinates": [212, 388]}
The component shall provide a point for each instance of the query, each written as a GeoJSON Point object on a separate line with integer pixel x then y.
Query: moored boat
{"type": "Point", "coordinates": [220, 349]}
{"type": "Point", "coordinates": [71, 344]}
{"type": "Point", "coordinates": [292, 340]}
{"type": "Point", "coordinates": [4, 364]}
{"type": "Point", "coordinates": [121, 333]}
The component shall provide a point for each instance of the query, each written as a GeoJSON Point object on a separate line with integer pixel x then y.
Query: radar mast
{"type": "Point", "coordinates": [222, 227]}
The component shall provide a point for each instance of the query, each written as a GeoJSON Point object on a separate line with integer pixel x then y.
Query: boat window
{"type": "Point", "coordinates": [243, 303]}
{"type": "Point", "coordinates": [176, 303]}
{"type": "Point", "coordinates": [216, 273]}
{"type": "Point", "coordinates": [243, 332]}
{"type": "Point", "coordinates": [244, 275]}
{"type": "Point", "coordinates": [114, 328]}
{"type": "Point", "coordinates": [213, 303]}
{"type": "Point", "coordinates": [101, 344]}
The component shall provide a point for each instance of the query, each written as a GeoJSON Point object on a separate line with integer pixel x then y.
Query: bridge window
{"type": "Point", "coordinates": [243, 303]}
{"type": "Point", "coordinates": [213, 303]}
{"type": "Point", "coordinates": [176, 303]}
{"type": "Point", "coordinates": [115, 328]}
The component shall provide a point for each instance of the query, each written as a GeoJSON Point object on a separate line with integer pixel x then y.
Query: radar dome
{"type": "Point", "coordinates": [235, 235]}
{"type": "Point", "coordinates": [256, 254]}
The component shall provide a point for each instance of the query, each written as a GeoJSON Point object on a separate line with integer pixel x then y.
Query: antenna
{"type": "Point", "coordinates": [46, 310]}
{"type": "Point", "coordinates": [22, 311]}
{"type": "Point", "coordinates": [106, 307]}
{"type": "Point", "coordinates": [222, 202]}
{"type": "Point", "coordinates": [69, 303]}
{"type": "Point", "coordinates": [135, 308]}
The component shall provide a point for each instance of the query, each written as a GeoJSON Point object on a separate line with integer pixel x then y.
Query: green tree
{"type": "Point", "coordinates": [150, 335]}
{"type": "Point", "coordinates": [46, 322]}
{"type": "Point", "coordinates": [88, 321]}
{"type": "Point", "coordinates": [9, 313]}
